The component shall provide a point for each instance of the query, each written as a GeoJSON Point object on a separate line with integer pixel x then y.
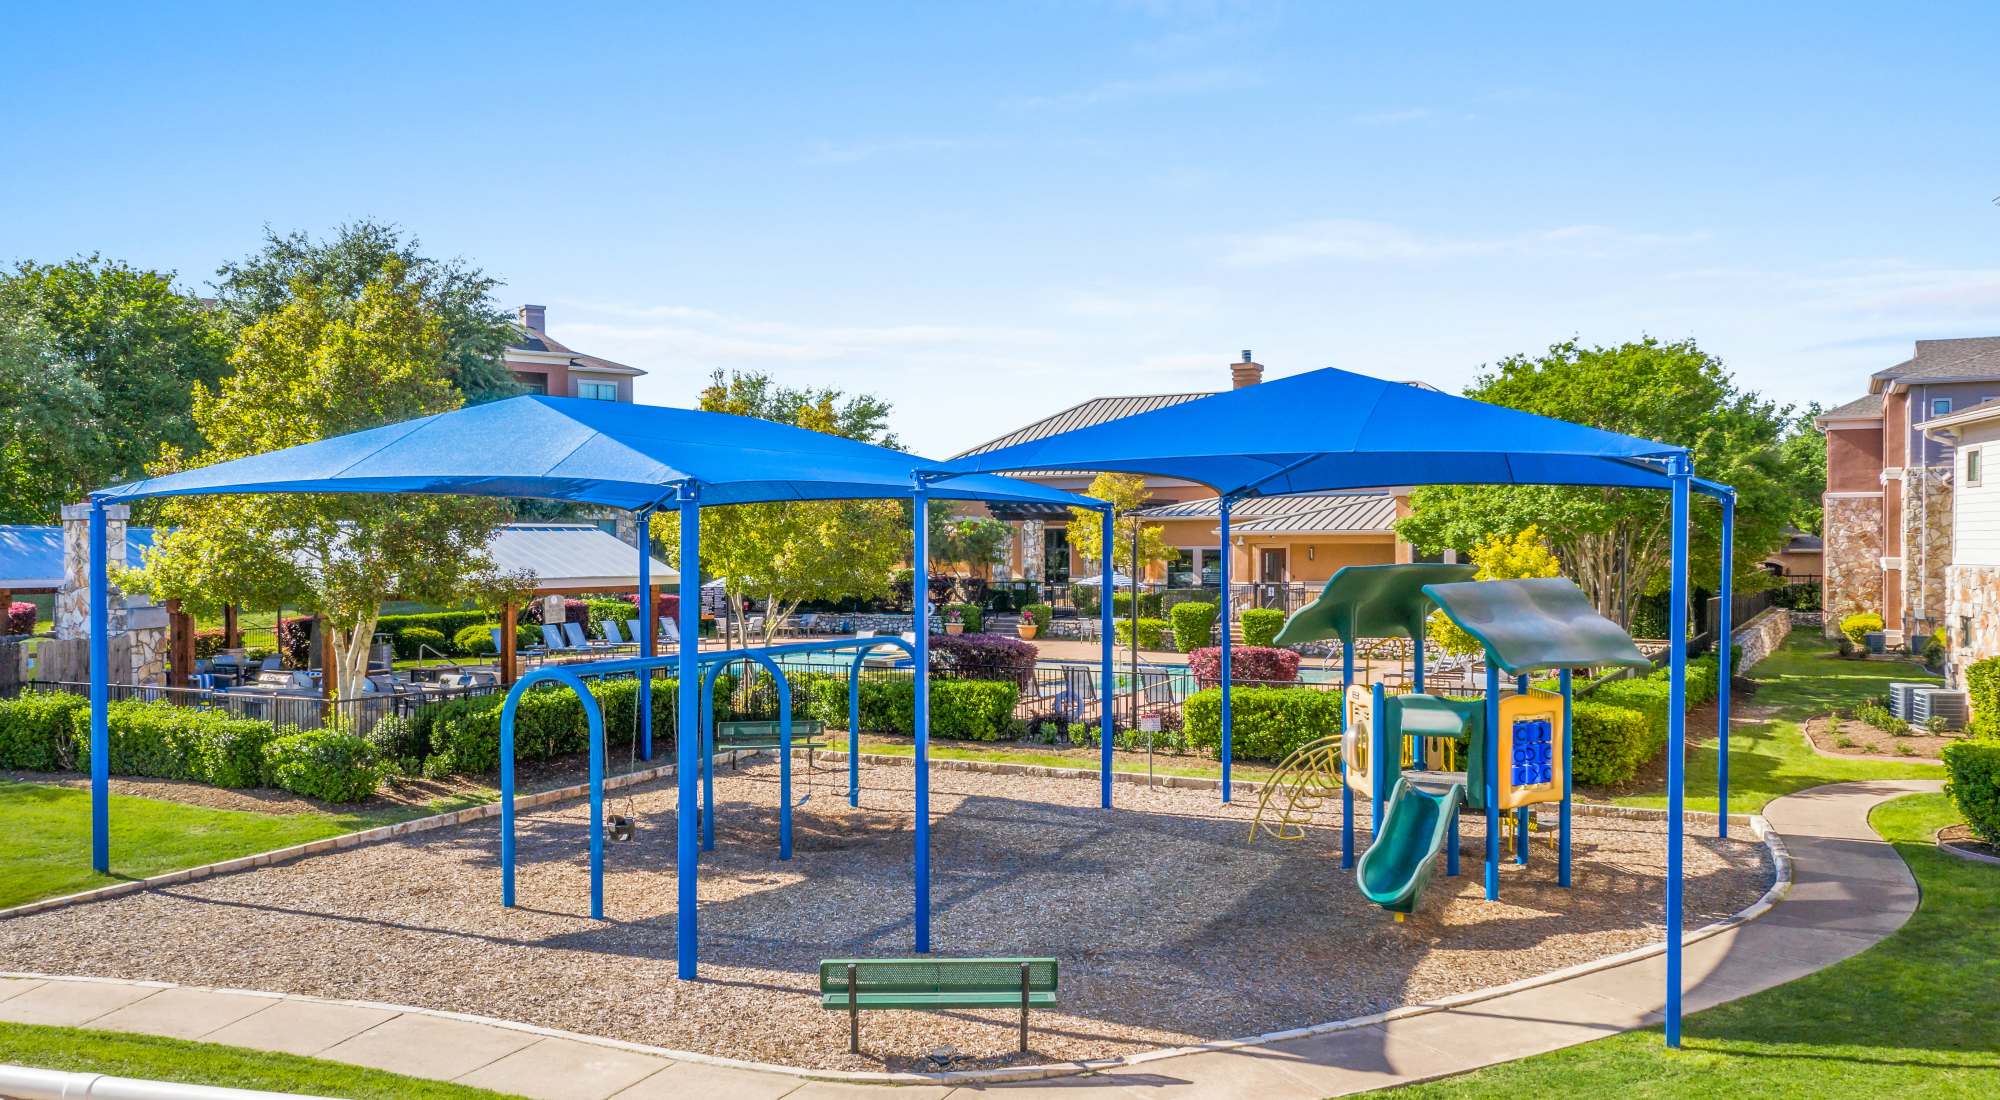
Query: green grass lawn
{"type": "Point", "coordinates": [1911, 1017]}
{"type": "Point", "coordinates": [45, 837]}
{"type": "Point", "coordinates": [79, 1050]}
{"type": "Point", "coordinates": [1769, 758]}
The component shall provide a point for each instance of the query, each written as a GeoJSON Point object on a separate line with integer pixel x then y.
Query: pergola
{"type": "Point", "coordinates": [1332, 430]}
{"type": "Point", "coordinates": [640, 458]}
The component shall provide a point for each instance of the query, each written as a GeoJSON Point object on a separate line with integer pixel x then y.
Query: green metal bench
{"type": "Point", "coordinates": [807, 734]}
{"type": "Point", "coordinates": [930, 984]}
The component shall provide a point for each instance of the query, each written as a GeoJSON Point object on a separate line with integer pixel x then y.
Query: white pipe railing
{"type": "Point", "coordinates": [24, 1083]}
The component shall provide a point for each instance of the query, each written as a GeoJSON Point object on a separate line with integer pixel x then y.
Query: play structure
{"type": "Point", "coordinates": [1503, 753]}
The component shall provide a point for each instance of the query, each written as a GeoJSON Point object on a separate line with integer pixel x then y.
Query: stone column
{"type": "Point", "coordinates": [72, 614]}
{"type": "Point", "coordinates": [1031, 550]}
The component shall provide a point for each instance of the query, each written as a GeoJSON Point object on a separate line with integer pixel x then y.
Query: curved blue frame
{"type": "Point", "coordinates": [595, 715]}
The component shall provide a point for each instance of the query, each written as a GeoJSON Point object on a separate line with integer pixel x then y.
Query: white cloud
{"type": "Point", "coordinates": [1372, 241]}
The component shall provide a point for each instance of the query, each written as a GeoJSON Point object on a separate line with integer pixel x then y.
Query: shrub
{"type": "Point", "coordinates": [1039, 614]}
{"type": "Point", "coordinates": [396, 740]}
{"type": "Point", "coordinates": [37, 730]}
{"type": "Point", "coordinates": [330, 765]}
{"type": "Point", "coordinates": [20, 618]}
{"type": "Point", "coordinates": [1856, 628]}
{"type": "Point", "coordinates": [968, 613]}
{"type": "Point", "coordinates": [1261, 625]}
{"type": "Point", "coordinates": [1973, 768]}
{"type": "Point", "coordinates": [1267, 723]}
{"type": "Point", "coordinates": [1261, 664]}
{"type": "Point", "coordinates": [474, 641]}
{"type": "Point", "coordinates": [1084, 596]}
{"type": "Point", "coordinates": [208, 643]}
{"type": "Point", "coordinates": [983, 657]}
{"type": "Point", "coordinates": [445, 623]}
{"type": "Point", "coordinates": [1149, 605]}
{"type": "Point", "coordinates": [968, 710]}
{"type": "Point", "coordinates": [1610, 743]}
{"type": "Point", "coordinates": [1000, 600]}
{"type": "Point", "coordinates": [294, 641]}
{"type": "Point", "coordinates": [1194, 625]}
{"type": "Point", "coordinates": [1152, 633]}
{"type": "Point", "coordinates": [1875, 712]}
{"type": "Point", "coordinates": [1982, 685]}
{"type": "Point", "coordinates": [599, 610]}
{"type": "Point", "coordinates": [462, 736]}
{"type": "Point", "coordinates": [165, 741]}
{"type": "Point", "coordinates": [1934, 648]}
{"type": "Point", "coordinates": [411, 642]}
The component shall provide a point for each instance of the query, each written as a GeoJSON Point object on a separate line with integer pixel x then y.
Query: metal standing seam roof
{"type": "Point", "coordinates": [31, 555]}
{"type": "Point", "coordinates": [1097, 410]}
{"type": "Point", "coordinates": [572, 556]}
{"type": "Point", "coordinates": [596, 452]}
{"type": "Point", "coordinates": [1305, 514]}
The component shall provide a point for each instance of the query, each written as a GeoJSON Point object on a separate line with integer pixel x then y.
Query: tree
{"type": "Point", "coordinates": [1802, 458]}
{"type": "Point", "coordinates": [322, 365]}
{"type": "Point", "coordinates": [976, 541]}
{"type": "Point", "coordinates": [119, 351]}
{"type": "Point", "coordinates": [784, 554]}
{"type": "Point", "coordinates": [1126, 493]}
{"type": "Point", "coordinates": [1614, 542]}
{"type": "Point", "coordinates": [1499, 558]}
{"type": "Point", "coordinates": [474, 330]}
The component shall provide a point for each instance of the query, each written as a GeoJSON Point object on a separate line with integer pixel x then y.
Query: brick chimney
{"type": "Point", "coordinates": [1247, 373]}
{"type": "Point", "coordinates": [532, 318]}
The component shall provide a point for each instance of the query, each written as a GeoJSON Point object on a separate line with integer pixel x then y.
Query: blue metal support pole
{"type": "Point", "coordinates": [1346, 790]}
{"type": "Point", "coordinates": [1491, 777]}
{"type": "Point", "coordinates": [1676, 744]}
{"type": "Point", "coordinates": [1521, 814]}
{"type": "Point", "coordinates": [1725, 644]}
{"type": "Point", "coordinates": [1562, 840]}
{"type": "Point", "coordinates": [1379, 751]}
{"type": "Point", "coordinates": [100, 693]}
{"type": "Point", "coordinates": [642, 521]}
{"type": "Point", "coordinates": [1107, 715]}
{"type": "Point", "coordinates": [1228, 724]}
{"type": "Point", "coordinates": [921, 590]}
{"type": "Point", "coordinates": [687, 733]}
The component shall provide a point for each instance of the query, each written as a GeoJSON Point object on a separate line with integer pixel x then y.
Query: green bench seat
{"type": "Point", "coordinates": [807, 734]}
{"type": "Point", "coordinates": [931, 984]}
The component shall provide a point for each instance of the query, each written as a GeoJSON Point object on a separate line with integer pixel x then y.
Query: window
{"type": "Point", "coordinates": [1940, 406]}
{"type": "Point", "coordinates": [1972, 466]}
{"type": "Point", "coordinates": [597, 391]}
{"type": "Point", "coordinates": [533, 383]}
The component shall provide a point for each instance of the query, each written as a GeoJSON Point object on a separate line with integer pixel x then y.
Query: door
{"type": "Point", "coordinates": [1271, 565]}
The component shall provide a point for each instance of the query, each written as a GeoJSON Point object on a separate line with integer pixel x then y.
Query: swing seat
{"type": "Point", "coordinates": [807, 734]}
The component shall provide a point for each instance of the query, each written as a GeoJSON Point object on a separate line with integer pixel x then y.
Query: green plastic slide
{"type": "Point", "coordinates": [1395, 869]}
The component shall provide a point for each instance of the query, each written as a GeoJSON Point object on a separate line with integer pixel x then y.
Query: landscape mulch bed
{"type": "Point", "coordinates": [1962, 838]}
{"type": "Point", "coordinates": [1171, 925]}
{"type": "Point", "coordinates": [1861, 739]}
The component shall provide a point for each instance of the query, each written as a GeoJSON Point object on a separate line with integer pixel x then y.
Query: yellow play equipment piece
{"type": "Point", "coordinates": [1530, 749]}
{"type": "Point", "coordinates": [1304, 782]}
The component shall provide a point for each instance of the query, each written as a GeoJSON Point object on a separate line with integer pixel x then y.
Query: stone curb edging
{"type": "Point", "coordinates": [338, 843]}
{"type": "Point", "coordinates": [1780, 887]}
{"type": "Point", "coordinates": [1953, 850]}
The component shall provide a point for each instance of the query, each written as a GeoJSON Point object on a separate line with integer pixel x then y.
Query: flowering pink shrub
{"type": "Point", "coordinates": [20, 618]}
{"type": "Point", "coordinates": [1248, 663]}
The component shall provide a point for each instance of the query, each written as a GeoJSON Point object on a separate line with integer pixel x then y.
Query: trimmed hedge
{"type": "Point", "coordinates": [37, 730]}
{"type": "Point", "coordinates": [1039, 614]}
{"type": "Point", "coordinates": [164, 741]}
{"type": "Point", "coordinates": [1194, 625]}
{"type": "Point", "coordinates": [1611, 742]}
{"type": "Point", "coordinates": [462, 736]}
{"type": "Point", "coordinates": [446, 623]}
{"type": "Point", "coordinates": [969, 614]}
{"type": "Point", "coordinates": [325, 764]}
{"type": "Point", "coordinates": [1974, 784]}
{"type": "Point", "coordinates": [1261, 625]}
{"type": "Point", "coordinates": [961, 710]}
{"type": "Point", "coordinates": [1247, 664]}
{"type": "Point", "coordinates": [1149, 605]}
{"type": "Point", "coordinates": [1152, 633]}
{"type": "Point", "coordinates": [1856, 628]}
{"type": "Point", "coordinates": [1982, 685]}
{"type": "Point", "coordinates": [474, 641]}
{"type": "Point", "coordinates": [1268, 723]}
{"type": "Point", "coordinates": [410, 644]}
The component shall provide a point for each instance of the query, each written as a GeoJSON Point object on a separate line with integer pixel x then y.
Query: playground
{"type": "Point", "coordinates": [1172, 930]}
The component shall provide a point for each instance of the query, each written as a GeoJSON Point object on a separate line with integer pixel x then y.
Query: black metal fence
{"type": "Point", "coordinates": [358, 714]}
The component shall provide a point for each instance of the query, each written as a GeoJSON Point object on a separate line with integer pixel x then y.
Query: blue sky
{"type": "Point", "coordinates": [986, 213]}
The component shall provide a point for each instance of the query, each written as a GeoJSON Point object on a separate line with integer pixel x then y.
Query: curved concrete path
{"type": "Point", "coordinates": [1849, 890]}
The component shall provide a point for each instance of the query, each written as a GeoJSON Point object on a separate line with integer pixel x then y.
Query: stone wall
{"type": "Point", "coordinates": [1031, 550]}
{"type": "Point", "coordinates": [1974, 601]}
{"type": "Point", "coordinates": [1853, 580]}
{"type": "Point", "coordinates": [1765, 632]}
{"type": "Point", "coordinates": [1927, 530]}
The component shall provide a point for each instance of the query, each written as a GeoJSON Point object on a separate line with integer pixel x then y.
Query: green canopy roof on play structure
{"type": "Point", "coordinates": [1536, 624]}
{"type": "Point", "coordinates": [1370, 601]}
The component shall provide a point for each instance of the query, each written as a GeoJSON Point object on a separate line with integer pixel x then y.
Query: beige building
{"type": "Point", "coordinates": [1280, 547]}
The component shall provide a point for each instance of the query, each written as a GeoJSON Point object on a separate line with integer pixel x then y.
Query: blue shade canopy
{"type": "Point", "coordinates": [1536, 624]}
{"type": "Point", "coordinates": [1328, 430]}
{"type": "Point", "coordinates": [594, 452]}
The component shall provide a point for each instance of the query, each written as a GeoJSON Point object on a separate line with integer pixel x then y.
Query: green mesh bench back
{"type": "Point", "coordinates": [767, 731]}
{"type": "Point", "coordinates": [937, 975]}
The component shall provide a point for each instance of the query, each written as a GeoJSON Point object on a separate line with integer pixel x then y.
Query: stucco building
{"type": "Point", "coordinates": [1888, 528]}
{"type": "Point", "coordinates": [543, 365]}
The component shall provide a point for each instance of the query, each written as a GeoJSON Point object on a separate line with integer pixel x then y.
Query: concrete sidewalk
{"type": "Point", "coordinates": [1849, 891]}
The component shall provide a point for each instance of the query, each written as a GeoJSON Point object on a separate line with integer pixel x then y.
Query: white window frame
{"type": "Point", "coordinates": [1936, 401]}
{"type": "Point", "coordinates": [1974, 467]}
{"type": "Point", "coordinates": [612, 387]}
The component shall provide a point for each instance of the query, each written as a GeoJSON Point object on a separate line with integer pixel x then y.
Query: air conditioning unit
{"type": "Point", "coordinates": [1899, 697]}
{"type": "Point", "coordinates": [1936, 702]}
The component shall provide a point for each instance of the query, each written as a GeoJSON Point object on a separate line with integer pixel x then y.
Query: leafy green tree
{"type": "Point", "coordinates": [783, 554]}
{"type": "Point", "coordinates": [1802, 458]}
{"type": "Point", "coordinates": [1614, 542]}
{"type": "Point", "coordinates": [1127, 494]}
{"type": "Point", "coordinates": [1499, 558]}
{"type": "Point", "coordinates": [323, 365]}
{"type": "Point", "coordinates": [976, 541]}
{"type": "Point", "coordinates": [119, 352]}
{"type": "Point", "coordinates": [337, 270]}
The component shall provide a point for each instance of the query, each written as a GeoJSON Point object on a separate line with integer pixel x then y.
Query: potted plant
{"type": "Point", "coordinates": [1026, 629]}
{"type": "Point", "coordinates": [1034, 620]}
{"type": "Point", "coordinates": [954, 621]}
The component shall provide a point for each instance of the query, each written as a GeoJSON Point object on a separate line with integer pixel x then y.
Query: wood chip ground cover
{"type": "Point", "coordinates": [1171, 926]}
